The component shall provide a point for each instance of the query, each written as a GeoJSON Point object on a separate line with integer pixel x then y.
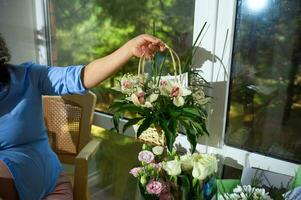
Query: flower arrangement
{"type": "Point", "coordinates": [255, 185]}
{"type": "Point", "coordinates": [164, 175]}
{"type": "Point", "coordinates": [162, 102]}
{"type": "Point", "coordinates": [246, 192]}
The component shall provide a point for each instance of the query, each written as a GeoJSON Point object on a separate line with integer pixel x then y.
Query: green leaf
{"type": "Point", "coordinates": [198, 127]}
{"type": "Point", "coordinates": [145, 124]}
{"type": "Point", "coordinates": [131, 122]}
{"type": "Point", "coordinates": [116, 119]}
{"type": "Point", "coordinates": [170, 136]}
{"type": "Point", "coordinates": [192, 138]}
{"type": "Point", "coordinates": [205, 128]}
{"type": "Point", "coordinates": [190, 133]}
{"type": "Point", "coordinates": [192, 110]}
{"type": "Point", "coordinates": [186, 185]}
{"type": "Point", "coordinates": [161, 68]}
{"type": "Point", "coordinates": [174, 113]}
{"type": "Point", "coordinates": [191, 52]}
{"type": "Point", "coordinates": [116, 104]}
{"type": "Point", "coordinates": [190, 116]}
{"type": "Point", "coordinates": [132, 108]}
{"type": "Point", "coordinates": [173, 126]}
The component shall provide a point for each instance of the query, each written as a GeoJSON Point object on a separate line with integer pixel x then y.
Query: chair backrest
{"type": "Point", "coordinates": [68, 120]}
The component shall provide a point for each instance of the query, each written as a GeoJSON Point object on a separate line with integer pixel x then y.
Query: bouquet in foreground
{"type": "Point", "coordinates": [246, 192]}
{"type": "Point", "coordinates": [164, 103]}
{"type": "Point", "coordinates": [258, 184]}
{"type": "Point", "coordinates": [168, 175]}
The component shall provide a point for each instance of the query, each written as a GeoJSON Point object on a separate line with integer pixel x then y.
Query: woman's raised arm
{"type": "Point", "coordinates": [100, 69]}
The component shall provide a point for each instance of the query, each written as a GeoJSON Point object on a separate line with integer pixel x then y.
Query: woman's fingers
{"type": "Point", "coordinates": [146, 45]}
{"type": "Point", "coordinates": [151, 39]}
{"type": "Point", "coordinates": [154, 42]}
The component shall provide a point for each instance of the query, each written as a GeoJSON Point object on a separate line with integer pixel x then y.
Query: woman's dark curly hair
{"type": "Point", "coordinates": [4, 58]}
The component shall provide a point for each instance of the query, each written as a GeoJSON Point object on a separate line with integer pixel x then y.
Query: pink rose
{"type": "Point", "coordinates": [135, 171]}
{"type": "Point", "coordinates": [146, 156]}
{"type": "Point", "coordinates": [154, 187]}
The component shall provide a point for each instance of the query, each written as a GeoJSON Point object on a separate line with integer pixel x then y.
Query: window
{"type": "Point", "coordinates": [264, 109]}
{"type": "Point", "coordinates": [85, 30]}
{"type": "Point", "coordinates": [22, 26]}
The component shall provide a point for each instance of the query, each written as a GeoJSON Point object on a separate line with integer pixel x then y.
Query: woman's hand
{"type": "Point", "coordinates": [146, 45]}
{"type": "Point", "coordinates": [100, 69]}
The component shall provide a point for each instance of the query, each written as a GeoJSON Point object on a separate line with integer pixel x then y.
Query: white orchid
{"type": "Point", "coordinates": [138, 98]}
{"type": "Point", "coordinates": [174, 90]}
{"type": "Point", "coordinates": [130, 84]}
{"type": "Point", "coordinates": [127, 84]}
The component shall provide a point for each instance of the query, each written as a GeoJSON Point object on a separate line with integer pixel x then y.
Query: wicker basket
{"type": "Point", "coordinates": [156, 135]}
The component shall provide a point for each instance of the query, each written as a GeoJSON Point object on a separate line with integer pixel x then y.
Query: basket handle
{"type": "Point", "coordinates": [175, 62]}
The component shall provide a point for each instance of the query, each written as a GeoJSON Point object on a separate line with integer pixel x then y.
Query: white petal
{"type": "Point", "coordinates": [147, 104]}
{"type": "Point", "coordinates": [185, 91]}
{"type": "Point", "coordinates": [158, 150]}
{"type": "Point", "coordinates": [135, 99]}
{"type": "Point", "coordinates": [178, 101]}
{"type": "Point", "coordinates": [153, 97]}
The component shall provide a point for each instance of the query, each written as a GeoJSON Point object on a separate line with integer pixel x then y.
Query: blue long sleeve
{"type": "Point", "coordinates": [57, 80]}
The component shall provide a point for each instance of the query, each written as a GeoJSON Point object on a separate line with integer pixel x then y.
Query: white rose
{"type": "Point", "coordinates": [204, 165]}
{"type": "Point", "coordinates": [209, 161]}
{"type": "Point", "coordinates": [173, 167]}
{"type": "Point", "coordinates": [157, 150]}
{"type": "Point", "coordinates": [186, 162]}
{"type": "Point", "coordinates": [199, 171]}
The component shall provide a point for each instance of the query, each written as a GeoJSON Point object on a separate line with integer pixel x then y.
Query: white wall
{"type": "Point", "coordinates": [17, 26]}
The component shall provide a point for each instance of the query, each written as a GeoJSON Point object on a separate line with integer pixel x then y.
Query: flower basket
{"type": "Point", "coordinates": [160, 105]}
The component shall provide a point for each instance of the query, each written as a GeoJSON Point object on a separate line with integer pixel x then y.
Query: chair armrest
{"type": "Point", "coordinates": [80, 188]}
{"type": "Point", "coordinates": [88, 151]}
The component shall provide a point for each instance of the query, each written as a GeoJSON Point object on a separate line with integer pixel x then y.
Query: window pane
{"type": "Point", "coordinates": [264, 111]}
{"type": "Point", "coordinates": [85, 30]}
{"type": "Point", "coordinates": [21, 25]}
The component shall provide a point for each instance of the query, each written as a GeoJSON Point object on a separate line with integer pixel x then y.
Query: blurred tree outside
{"type": "Point", "coordinates": [84, 30]}
{"type": "Point", "coordinates": [265, 101]}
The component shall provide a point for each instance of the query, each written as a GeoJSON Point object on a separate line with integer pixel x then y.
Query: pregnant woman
{"type": "Point", "coordinates": [29, 169]}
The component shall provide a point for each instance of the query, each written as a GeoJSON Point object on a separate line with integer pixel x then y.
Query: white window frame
{"type": "Point", "coordinates": [220, 14]}
{"type": "Point", "coordinates": [41, 25]}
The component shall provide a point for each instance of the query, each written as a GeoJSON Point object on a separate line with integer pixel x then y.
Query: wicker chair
{"type": "Point", "coordinates": [68, 121]}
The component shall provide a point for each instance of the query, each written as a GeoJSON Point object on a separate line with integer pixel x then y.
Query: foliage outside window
{"type": "Point", "coordinates": [264, 111]}
{"type": "Point", "coordinates": [85, 30]}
